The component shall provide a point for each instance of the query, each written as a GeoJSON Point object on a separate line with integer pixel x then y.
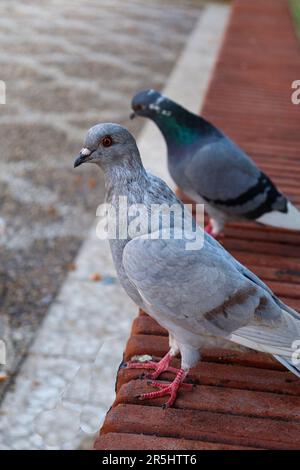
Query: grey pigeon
{"type": "Point", "coordinates": [212, 169]}
{"type": "Point", "coordinates": [191, 293]}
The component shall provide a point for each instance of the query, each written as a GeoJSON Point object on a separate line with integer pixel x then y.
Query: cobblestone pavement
{"type": "Point", "coordinates": [67, 64]}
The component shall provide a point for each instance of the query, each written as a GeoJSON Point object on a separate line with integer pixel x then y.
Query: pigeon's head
{"type": "Point", "coordinates": [106, 144]}
{"type": "Point", "coordinates": [150, 103]}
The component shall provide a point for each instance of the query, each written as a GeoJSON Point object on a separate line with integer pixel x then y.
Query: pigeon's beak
{"type": "Point", "coordinates": [132, 115]}
{"type": "Point", "coordinates": [84, 155]}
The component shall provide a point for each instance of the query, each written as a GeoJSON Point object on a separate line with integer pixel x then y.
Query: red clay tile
{"type": "Point", "coordinates": [228, 375]}
{"type": "Point", "coordinates": [124, 441]}
{"type": "Point", "coordinates": [204, 425]}
{"type": "Point", "coordinates": [222, 400]}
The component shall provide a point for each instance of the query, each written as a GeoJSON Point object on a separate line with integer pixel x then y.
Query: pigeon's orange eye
{"type": "Point", "coordinates": [106, 141]}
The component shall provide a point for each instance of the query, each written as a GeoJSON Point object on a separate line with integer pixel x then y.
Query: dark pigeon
{"type": "Point", "coordinates": [210, 168]}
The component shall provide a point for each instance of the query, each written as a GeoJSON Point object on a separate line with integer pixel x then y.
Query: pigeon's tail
{"type": "Point", "coordinates": [283, 341]}
{"type": "Point", "coordinates": [295, 368]}
{"type": "Point", "coordinates": [289, 219]}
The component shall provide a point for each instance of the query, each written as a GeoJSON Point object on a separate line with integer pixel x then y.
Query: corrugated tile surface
{"type": "Point", "coordinates": [241, 400]}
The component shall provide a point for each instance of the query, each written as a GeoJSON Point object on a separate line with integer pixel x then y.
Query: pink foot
{"type": "Point", "coordinates": [159, 367]}
{"type": "Point", "coordinates": [168, 389]}
{"type": "Point", "coordinates": [209, 229]}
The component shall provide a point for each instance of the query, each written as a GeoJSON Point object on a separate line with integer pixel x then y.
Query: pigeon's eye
{"type": "Point", "coordinates": [138, 107]}
{"type": "Point", "coordinates": [106, 141]}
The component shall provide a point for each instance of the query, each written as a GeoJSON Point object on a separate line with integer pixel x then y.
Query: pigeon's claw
{"type": "Point", "coordinates": [168, 389]}
{"type": "Point", "coordinates": [162, 366]}
{"type": "Point", "coordinates": [159, 367]}
{"type": "Point", "coordinates": [183, 385]}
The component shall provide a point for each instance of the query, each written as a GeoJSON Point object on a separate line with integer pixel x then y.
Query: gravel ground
{"type": "Point", "coordinates": [67, 65]}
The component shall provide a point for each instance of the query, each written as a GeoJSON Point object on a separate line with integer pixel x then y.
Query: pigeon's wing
{"type": "Point", "coordinates": [225, 177]}
{"type": "Point", "coordinates": [205, 292]}
{"type": "Point", "coordinates": [201, 291]}
{"type": "Point", "coordinates": [239, 266]}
